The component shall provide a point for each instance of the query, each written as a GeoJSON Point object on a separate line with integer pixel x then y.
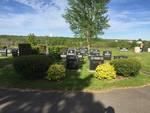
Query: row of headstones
{"type": "Point", "coordinates": [139, 50]}
{"type": "Point", "coordinates": [22, 50]}
{"type": "Point", "coordinates": [96, 59]}
{"type": "Point", "coordinates": [9, 52]}
{"type": "Point", "coordinates": [74, 57]}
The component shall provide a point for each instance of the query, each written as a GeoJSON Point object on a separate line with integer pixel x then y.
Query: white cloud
{"type": "Point", "coordinates": [126, 20]}
{"type": "Point", "coordinates": [44, 5]}
{"type": "Point", "coordinates": [48, 18]}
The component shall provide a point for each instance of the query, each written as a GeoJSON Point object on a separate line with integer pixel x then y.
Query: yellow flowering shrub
{"type": "Point", "coordinates": [105, 71]}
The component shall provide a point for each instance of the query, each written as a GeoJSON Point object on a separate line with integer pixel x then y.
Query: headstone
{"type": "Point", "coordinates": [145, 49]}
{"type": "Point", "coordinates": [25, 49]}
{"type": "Point", "coordinates": [9, 51]}
{"type": "Point", "coordinates": [83, 51]}
{"type": "Point", "coordinates": [80, 57]}
{"type": "Point", "coordinates": [95, 61]}
{"type": "Point", "coordinates": [14, 52]}
{"type": "Point", "coordinates": [120, 57]}
{"type": "Point", "coordinates": [71, 51]}
{"type": "Point", "coordinates": [72, 59]}
{"type": "Point", "coordinates": [94, 52]}
{"type": "Point", "coordinates": [3, 52]}
{"type": "Point", "coordinates": [137, 49]}
{"type": "Point", "coordinates": [124, 49]}
{"type": "Point", "coordinates": [107, 55]}
{"type": "Point", "coordinates": [63, 56]}
{"type": "Point", "coordinates": [149, 50]}
{"type": "Point", "coordinates": [72, 62]}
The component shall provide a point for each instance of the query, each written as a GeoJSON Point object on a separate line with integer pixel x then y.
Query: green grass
{"type": "Point", "coordinates": [79, 80]}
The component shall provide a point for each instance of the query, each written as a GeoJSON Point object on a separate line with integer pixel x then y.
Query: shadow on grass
{"type": "Point", "coordinates": [75, 81]}
{"type": "Point", "coordinates": [50, 102]}
{"type": "Point", "coordinates": [5, 62]}
{"type": "Point", "coordinates": [12, 101]}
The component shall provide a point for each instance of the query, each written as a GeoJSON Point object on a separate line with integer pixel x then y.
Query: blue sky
{"type": "Point", "coordinates": [129, 19]}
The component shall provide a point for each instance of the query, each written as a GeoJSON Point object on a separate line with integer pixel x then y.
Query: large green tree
{"type": "Point", "coordinates": [87, 18]}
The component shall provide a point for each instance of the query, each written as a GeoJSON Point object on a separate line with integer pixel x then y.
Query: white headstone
{"type": "Point", "coordinates": [149, 50]}
{"type": "Point", "coordinates": [137, 50]}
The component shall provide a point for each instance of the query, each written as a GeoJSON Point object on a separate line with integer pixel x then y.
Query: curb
{"type": "Point", "coordinates": [71, 91]}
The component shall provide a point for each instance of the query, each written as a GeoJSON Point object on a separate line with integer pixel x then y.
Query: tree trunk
{"type": "Point", "coordinates": [88, 40]}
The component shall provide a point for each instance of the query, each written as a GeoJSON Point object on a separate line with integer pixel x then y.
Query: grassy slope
{"type": "Point", "coordinates": [80, 79]}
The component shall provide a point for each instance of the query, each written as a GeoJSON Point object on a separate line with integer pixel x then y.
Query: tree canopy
{"type": "Point", "coordinates": [87, 18]}
{"type": "Point", "coordinates": [32, 39]}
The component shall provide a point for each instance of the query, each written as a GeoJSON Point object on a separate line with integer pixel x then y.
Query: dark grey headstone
{"type": "Point", "coordinates": [107, 55]}
{"type": "Point", "coordinates": [71, 51]}
{"type": "Point", "coordinates": [120, 57]}
{"type": "Point", "coordinates": [94, 52]}
{"type": "Point", "coordinates": [145, 49]}
{"type": "Point", "coordinates": [71, 62]}
{"type": "Point", "coordinates": [95, 61]}
{"type": "Point", "coordinates": [14, 52]}
{"type": "Point", "coordinates": [83, 51]}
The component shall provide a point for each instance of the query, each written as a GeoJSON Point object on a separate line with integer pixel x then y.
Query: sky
{"type": "Point", "coordinates": [129, 19]}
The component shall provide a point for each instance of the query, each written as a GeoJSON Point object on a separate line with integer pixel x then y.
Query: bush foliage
{"type": "Point", "coordinates": [126, 67]}
{"type": "Point", "coordinates": [105, 71]}
{"type": "Point", "coordinates": [56, 72]}
{"type": "Point", "coordinates": [32, 66]}
{"type": "Point", "coordinates": [55, 51]}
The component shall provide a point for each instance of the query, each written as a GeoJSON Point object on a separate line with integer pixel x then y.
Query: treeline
{"type": "Point", "coordinates": [13, 41]}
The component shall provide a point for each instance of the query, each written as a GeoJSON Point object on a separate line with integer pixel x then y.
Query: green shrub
{"type": "Point", "coordinates": [56, 72]}
{"type": "Point", "coordinates": [5, 61]}
{"type": "Point", "coordinates": [55, 51]}
{"type": "Point", "coordinates": [32, 66]}
{"type": "Point", "coordinates": [35, 51]}
{"type": "Point", "coordinates": [105, 71]}
{"type": "Point", "coordinates": [126, 67]}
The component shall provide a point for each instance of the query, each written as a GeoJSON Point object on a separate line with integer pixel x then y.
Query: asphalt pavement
{"type": "Point", "coordinates": [133, 100]}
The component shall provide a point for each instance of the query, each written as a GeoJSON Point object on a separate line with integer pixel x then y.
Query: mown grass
{"type": "Point", "coordinates": [78, 80]}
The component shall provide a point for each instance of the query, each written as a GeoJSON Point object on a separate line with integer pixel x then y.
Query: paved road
{"type": "Point", "coordinates": [116, 101]}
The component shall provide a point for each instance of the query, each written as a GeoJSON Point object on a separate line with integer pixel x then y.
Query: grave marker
{"type": "Point", "coordinates": [124, 49]}
{"type": "Point", "coordinates": [107, 55]}
{"type": "Point", "coordinates": [95, 61]}
{"type": "Point", "coordinates": [72, 61]}
{"type": "Point", "coordinates": [14, 52]}
{"type": "Point", "coordinates": [3, 52]}
{"type": "Point", "coordinates": [120, 57]}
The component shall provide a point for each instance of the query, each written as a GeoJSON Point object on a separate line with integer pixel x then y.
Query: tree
{"type": "Point", "coordinates": [133, 44]}
{"type": "Point", "coordinates": [32, 39]}
{"type": "Point", "coordinates": [87, 17]}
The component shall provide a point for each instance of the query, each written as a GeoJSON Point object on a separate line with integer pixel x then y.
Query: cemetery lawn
{"type": "Point", "coordinates": [77, 80]}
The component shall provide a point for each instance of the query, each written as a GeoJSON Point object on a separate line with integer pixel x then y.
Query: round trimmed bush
{"type": "Point", "coordinates": [126, 67]}
{"type": "Point", "coordinates": [32, 66]}
{"type": "Point", "coordinates": [105, 71]}
{"type": "Point", "coordinates": [56, 72]}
